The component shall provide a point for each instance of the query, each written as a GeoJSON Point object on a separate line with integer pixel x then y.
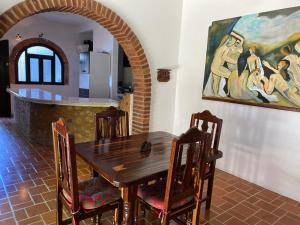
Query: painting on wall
{"type": "Point", "coordinates": [255, 60]}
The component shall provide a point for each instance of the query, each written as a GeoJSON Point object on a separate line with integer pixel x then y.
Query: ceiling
{"type": "Point", "coordinates": [65, 18]}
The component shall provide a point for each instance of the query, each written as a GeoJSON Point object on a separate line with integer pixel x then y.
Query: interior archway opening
{"type": "Point", "coordinates": [139, 83]}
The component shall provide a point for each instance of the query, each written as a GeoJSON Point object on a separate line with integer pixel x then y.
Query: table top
{"type": "Point", "coordinates": [37, 95]}
{"type": "Point", "coordinates": [121, 162]}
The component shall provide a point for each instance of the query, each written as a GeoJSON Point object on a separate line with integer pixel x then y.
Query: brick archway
{"type": "Point", "coordinates": [116, 26]}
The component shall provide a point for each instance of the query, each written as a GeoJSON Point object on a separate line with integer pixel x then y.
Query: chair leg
{"type": "Point", "coordinates": [59, 208]}
{"type": "Point", "coordinates": [93, 173]}
{"type": "Point", "coordinates": [165, 220]}
{"type": "Point", "coordinates": [189, 218]}
{"type": "Point", "coordinates": [210, 185]}
{"type": "Point", "coordinates": [94, 219]}
{"type": "Point", "coordinates": [118, 216]}
{"type": "Point", "coordinates": [196, 214]}
{"type": "Point", "coordinates": [98, 221]}
{"type": "Point", "coordinates": [137, 209]}
{"type": "Point", "coordinates": [75, 220]}
{"type": "Point", "coordinates": [141, 209]}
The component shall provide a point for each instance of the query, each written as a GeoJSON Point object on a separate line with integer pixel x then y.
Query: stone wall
{"type": "Point", "coordinates": [34, 120]}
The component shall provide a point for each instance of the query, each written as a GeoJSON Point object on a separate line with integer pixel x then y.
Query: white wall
{"type": "Point", "coordinates": [157, 25]}
{"type": "Point", "coordinates": [103, 40]}
{"type": "Point", "coordinates": [67, 40]}
{"type": "Point", "coordinates": [259, 144]}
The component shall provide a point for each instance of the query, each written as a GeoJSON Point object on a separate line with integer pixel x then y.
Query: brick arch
{"type": "Point", "coordinates": [18, 49]}
{"type": "Point", "coordinates": [116, 26]}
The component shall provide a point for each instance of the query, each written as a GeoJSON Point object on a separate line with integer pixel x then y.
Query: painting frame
{"type": "Point", "coordinates": [287, 97]}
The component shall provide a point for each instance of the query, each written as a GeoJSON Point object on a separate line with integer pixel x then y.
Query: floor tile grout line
{"type": "Point", "coordinates": [8, 200]}
{"type": "Point", "coordinates": [247, 199]}
{"type": "Point", "coordinates": [29, 144]}
{"type": "Point", "coordinates": [40, 155]}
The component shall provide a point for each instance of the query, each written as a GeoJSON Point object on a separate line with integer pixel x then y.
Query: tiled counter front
{"type": "Point", "coordinates": [34, 120]}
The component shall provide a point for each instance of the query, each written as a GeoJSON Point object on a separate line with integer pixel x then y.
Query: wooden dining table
{"type": "Point", "coordinates": [121, 162]}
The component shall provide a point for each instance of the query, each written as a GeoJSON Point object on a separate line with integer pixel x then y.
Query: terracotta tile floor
{"type": "Point", "coordinates": [27, 191]}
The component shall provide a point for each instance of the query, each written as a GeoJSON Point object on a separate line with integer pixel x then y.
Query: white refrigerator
{"type": "Point", "coordinates": [99, 75]}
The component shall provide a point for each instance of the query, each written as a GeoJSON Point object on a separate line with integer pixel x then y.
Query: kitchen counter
{"type": "Point", "coordinates": [40, 96]}
{"type": "Point", "coordinates": [35, 109]}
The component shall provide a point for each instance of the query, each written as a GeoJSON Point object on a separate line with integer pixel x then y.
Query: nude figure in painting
{"type": "Point", "coordinates": [277, 81]}
{"type": "Point", "coordinates": [256, 75]}
{"type": "Point", "coordinates": [239, 83]}
{"type": "Point", "coordinates": [230, 43]}
{"type": "Point", "coordinates": [294, 68]}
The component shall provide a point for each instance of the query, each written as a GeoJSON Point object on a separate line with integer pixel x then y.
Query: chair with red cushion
{"type": "Point", "coordinates": [212, 124]}
{"type": "Point", "coordinates": [181, 193]}
{"type": "Point", "coordinates": [88, 198]}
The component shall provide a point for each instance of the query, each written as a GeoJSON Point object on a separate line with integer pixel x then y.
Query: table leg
{"type": "Point", "coordinates": [210, 184]}
{"type": "Point", "coordinates": [129, 195]}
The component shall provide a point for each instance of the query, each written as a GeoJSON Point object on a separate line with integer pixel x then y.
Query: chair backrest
{"type": "Point", "coordinates": [208, 122]}
{"type": "Point", "coordinates": [65, 162]}
{"type": "Point", "coordinates": [190, 149]}
{"type": "Point", "coordinates": [111, 123]}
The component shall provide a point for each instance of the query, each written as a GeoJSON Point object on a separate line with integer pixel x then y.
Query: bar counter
{"type": "Point", "coordinates": [35, 109]}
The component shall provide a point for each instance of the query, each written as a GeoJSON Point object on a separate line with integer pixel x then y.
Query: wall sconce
{"type": "Point", "coordinates": [163, 75]}
{"type": "Point", "coordinates": [18, 37]}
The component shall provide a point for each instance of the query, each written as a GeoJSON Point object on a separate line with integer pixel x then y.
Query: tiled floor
{"type": "Point", "coordinates": [27, 191]}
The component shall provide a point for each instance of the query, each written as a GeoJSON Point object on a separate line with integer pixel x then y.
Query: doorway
{"type": "Point", "coordinates": [117, 27]}
{"type": "Point", "coordinates": [5, 110]}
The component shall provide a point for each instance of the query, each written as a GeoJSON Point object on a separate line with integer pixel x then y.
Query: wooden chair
{"type": "Point", "coordinates": [85, 199]}
{"type": "Point", "coordinates": [111, 123]}
{"type": "Point", "coordinates": [174, 197]}
{"type": "Point", "coordinates": [212, 124]}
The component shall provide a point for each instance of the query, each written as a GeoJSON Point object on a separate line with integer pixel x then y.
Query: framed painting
{"type": "Point", "coordinates": [255, 60]}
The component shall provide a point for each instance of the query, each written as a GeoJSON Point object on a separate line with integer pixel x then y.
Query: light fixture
{"type": "Point", "coordinates": [18, 37]}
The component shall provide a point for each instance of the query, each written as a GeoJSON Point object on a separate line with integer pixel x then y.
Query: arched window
{"type": "Point", "coordinates": [39, 64]}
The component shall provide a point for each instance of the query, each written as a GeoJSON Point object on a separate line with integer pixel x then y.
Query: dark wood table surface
{"type": "Point", "coordinates": [121, 163]}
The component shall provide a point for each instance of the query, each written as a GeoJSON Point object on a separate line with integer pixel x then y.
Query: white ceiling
{"type": "Point", "coordinates": [65, 18]}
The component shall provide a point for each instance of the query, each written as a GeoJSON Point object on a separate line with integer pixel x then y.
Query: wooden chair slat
{"type": "Point", "coordinates": [111, 123]}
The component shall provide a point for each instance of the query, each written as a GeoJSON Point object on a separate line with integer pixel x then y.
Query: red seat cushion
{"type": "Point", "coordinates": [154, 195]}
{"type": "Point", "coordinates": [95, 193]}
